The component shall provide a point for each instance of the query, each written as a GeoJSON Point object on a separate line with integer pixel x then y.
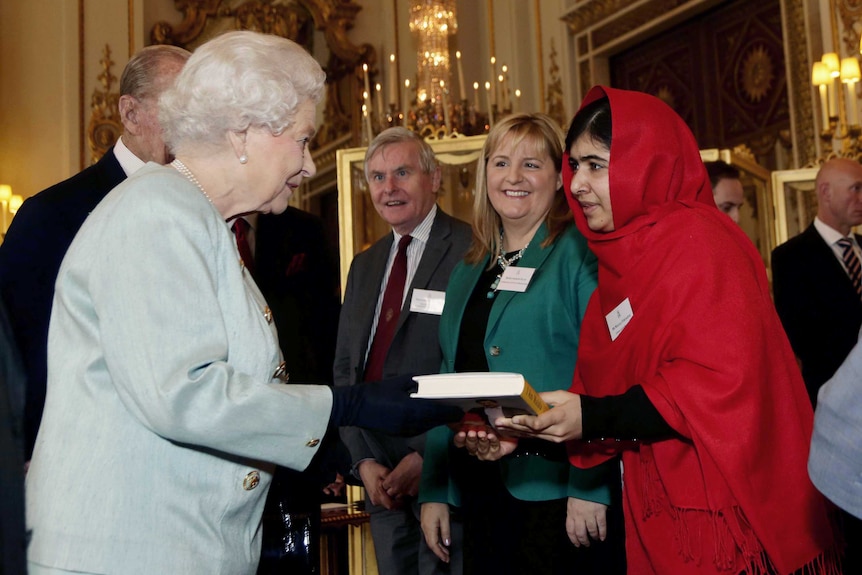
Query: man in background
{"type": "Point", "coordinates": [46, 224]}
{"type": "Point", "coordinates": [389, 326]}
{"type": "Point", "coordinates": [815, 276]}
{"type": "Point", "coordinates": [12, 384]}
{"type": "Point", "coordinates": [726, 188]}
{"type": "Point", "coordinates": [817, 283]}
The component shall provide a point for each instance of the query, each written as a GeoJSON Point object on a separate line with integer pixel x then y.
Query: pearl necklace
{"type": "Point", "coordinates": [181, 168]}
{"type": "Point", "coordinates": [504, 263]}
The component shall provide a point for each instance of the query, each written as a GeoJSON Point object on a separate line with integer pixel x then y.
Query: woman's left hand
{"type": "Point", "coordinates": [585, 521]}
{"type": "Point", "coordinates": [485, 444]}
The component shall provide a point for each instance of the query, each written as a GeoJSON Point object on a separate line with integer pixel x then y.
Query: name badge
{"type": "Point", "coordinates": [515, 279]}
{"type": "Point", "coordinates": [619, 318]}
{"type": "Point", "coordinates": [428, 301]}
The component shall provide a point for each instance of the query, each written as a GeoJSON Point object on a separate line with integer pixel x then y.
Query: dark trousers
{"type": "Point", "coordinates": [505, 535]}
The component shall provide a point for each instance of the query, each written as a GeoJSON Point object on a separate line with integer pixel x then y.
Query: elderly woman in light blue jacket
{"type": "Point", "coordinates": [166, 409]}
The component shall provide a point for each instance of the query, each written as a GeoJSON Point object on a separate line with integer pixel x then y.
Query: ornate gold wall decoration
{"type": "Point", "coordinates": [593, 12]}
{"type": "Point", "coordinates": [851, 14]}
{"type": "Point", "coordinates": [804, 138]}
{"type": "Point", "coordinates": [105, 125]}
{"type": "Point", "coordinates": [282, 20]}
{"type": "Point", "coordinates": [554, 99]}
{"type": "Point", "coordinates": [633, 19]}
{"type": "Point", "coordinates": [758, 73]}
{"type": "Point", "coordinates": [291, 19]}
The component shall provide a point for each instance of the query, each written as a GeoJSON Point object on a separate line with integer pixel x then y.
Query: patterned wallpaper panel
{"type": "Point", "coordinates": [722, 71]}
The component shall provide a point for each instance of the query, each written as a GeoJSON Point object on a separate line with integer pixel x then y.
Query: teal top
{"type": "Point", "coordinates": [534, 333]}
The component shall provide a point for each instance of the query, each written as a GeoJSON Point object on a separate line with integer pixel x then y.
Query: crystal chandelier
{"type": "Point", "coordinates": [432, 22]}
{"type": "Point", "coordinates": [432, 104]}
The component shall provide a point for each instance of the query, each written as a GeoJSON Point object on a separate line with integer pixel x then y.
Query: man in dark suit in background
{"type": "Point", "coordinates": [46, 224]}
{"type": "Point", "coordinates": [12, 384]}
{"type": "Point", "coordinates": [387, 330]}
{"type": "Point", "coordinates": [815, 296]}
{"type": "Point", "coordinates": [727, 190]}
{"type": "Point", "coordinates": [817, 282]}
{"type": "Point", "coordinates": [296, 271]}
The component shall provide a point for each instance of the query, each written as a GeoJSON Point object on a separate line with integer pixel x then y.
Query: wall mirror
{"type": "Point", "coordinates": [359, 226]}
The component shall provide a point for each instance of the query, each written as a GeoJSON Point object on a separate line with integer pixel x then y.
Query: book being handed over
{"type": "Point", "coordinates": [501, 394]}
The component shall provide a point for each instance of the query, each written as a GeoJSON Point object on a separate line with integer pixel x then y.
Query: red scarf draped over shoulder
{"type": "Point", "coordinates": [706, 345]}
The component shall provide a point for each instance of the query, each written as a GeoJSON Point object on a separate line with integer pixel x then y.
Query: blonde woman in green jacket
{"type": "Point", "coordinates": [530, 512]}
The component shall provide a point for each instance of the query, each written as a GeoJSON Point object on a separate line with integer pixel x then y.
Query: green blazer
{"type": "Point", "coordinates": [534, 333]}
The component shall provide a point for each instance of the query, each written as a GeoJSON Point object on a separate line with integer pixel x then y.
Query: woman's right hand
{"type": "Point", "coordinates": [434, 518]}
{"type": "Point", "coordinates": [562, 423]}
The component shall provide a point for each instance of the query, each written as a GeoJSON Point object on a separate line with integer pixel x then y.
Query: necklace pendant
{"type": "Point", "coordinates": [493, 289]}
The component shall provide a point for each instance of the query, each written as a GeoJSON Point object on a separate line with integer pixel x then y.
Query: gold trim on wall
{"type": "Point", "coordinates": [105, 125]}
{"type": "Point", "coordinates": [537, 14]}
{"type": "Point", "coordinates": [803, 138]}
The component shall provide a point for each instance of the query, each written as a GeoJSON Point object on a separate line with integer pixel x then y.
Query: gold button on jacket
{"type": "Point", "coordinates": [251, 480]}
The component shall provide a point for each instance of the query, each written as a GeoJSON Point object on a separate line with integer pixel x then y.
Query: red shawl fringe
{"type": "Point", "coordinates": [736, 546]}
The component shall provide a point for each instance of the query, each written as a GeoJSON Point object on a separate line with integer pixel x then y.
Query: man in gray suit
{"type": "Point", "coordinates": [378, 338]}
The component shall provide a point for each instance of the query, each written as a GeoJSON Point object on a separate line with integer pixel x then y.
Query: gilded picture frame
{"type": "Point", "coordinates": [756, 216]}
{"type": "Point", "coordinates": [359, 225]}
{"type": "Point", "coordinates": [795, 201]}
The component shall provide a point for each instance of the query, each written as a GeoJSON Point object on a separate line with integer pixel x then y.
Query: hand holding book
{"type": "Point", "coordinates": [562, 423]}
{"type": "Point", "coordinates": [486, 443]}
{"type": "Point", "coordinates": [485, 397]}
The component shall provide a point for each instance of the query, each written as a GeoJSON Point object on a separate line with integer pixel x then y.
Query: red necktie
{"type": "Point", "coordinates": [390, 310]}
{"type": "Point", "coordinates": [240, 230]}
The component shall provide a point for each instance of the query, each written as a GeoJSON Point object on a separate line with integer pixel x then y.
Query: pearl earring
{"type": "Point", "coordinates": [243, 159]}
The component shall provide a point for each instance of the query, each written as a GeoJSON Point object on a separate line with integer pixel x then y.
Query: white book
{"type": "Point", "coordinates": [499, 393]}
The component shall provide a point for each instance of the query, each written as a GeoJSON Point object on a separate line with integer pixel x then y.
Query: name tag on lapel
{"type": "Point", "coordinates": [428, 301]}
{"type": "Point", "coordinates": [516, 279]}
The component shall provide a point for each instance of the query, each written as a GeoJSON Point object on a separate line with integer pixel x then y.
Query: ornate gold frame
{"type": "Point", "coordinates": [757, 216]}
{"type": "Point", "coordinates": [794, 201]}
{"type": "Point", "coordinates": [358, 223]}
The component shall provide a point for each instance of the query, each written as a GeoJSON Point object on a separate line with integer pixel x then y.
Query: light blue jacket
{"type": "Point", "coordinates": [161, 404]}
{"type": "Point", "coordinates": [534, 333]}
{"type": "Point", "coordinates": [835, 461]}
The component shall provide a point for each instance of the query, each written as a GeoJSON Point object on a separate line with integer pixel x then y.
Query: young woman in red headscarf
{"type": "Point", "coordinates": [683, 366]}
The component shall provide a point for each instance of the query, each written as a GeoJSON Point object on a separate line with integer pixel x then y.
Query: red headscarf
{"type": "Point", "coordinates": [706, 345]}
